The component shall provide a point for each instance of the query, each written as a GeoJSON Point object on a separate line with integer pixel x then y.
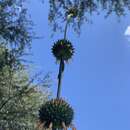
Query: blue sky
{"type": "Point", "coordinates": [97, 80]}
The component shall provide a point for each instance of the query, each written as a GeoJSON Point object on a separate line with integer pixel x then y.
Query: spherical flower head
{"type": "Point", "coordinates": [63, 49]}
{"type": "Point", "coordinates": [72, 12]}
{"type": "Point", "coordinates": [56, 111]}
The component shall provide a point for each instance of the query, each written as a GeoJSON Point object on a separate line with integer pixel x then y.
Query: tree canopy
{"type": "Point", "coordinates": [15, 26]}
{"type": "Point", "coordinates": [20, 100]}
{"type": "Point", "coordinates": [20, 94]}
{"type": "Point", "coordinates": [84, 8]}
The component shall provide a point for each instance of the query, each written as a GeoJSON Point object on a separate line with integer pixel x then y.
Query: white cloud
{"type": "Point", "coordinates": [127, 31]}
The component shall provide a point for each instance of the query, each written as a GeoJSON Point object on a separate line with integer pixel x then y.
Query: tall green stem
{"type": "Point", "coordinates": [65, 31]}
{"type": "Point", "coordinates": [61, 69]}
{"type": "Point", "coordinates": [62, 64]}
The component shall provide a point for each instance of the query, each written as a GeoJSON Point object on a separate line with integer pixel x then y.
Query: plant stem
{"type": "Point", "coordinates": [61, 69]}
{"type": "Point", "coordinates": [65, 31]}
{"type": "Point", "coordinates": [62, 64]}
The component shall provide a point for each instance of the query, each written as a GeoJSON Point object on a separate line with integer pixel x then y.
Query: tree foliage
{"type": "Point", "coordinates": [20, 95]}
{"type": "Point", "coordinates": [15, 27]}
{"type": "Point", "coordinates": [20, 100]}
{"type": "Point", "coordinates": [85, 8]}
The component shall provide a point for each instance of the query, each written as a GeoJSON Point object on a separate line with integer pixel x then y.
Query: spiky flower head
{"type": "Point", "coordinates": [63, 49]}
{"type": "Point", "coordinates": [72, 12]}
{"type": "Point", "coordinates": [56, 111]}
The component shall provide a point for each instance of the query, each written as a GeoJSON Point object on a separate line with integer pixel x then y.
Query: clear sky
{"type": "Point", "coordinates": [97, 80]}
